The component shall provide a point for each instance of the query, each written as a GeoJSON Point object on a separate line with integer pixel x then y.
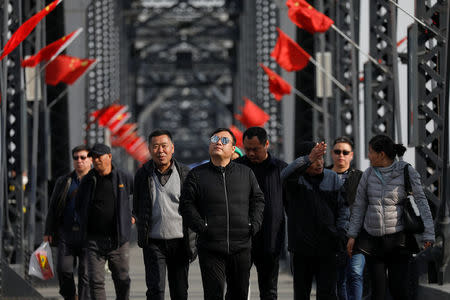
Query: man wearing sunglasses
{"type": "Point", "coordinates": [350, 270]}
{"type": "Point", "coordinates": [62, 228]}
{"type": "Point", "coordinates": [222, 202]}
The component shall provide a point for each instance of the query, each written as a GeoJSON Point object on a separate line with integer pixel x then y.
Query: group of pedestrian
{"type": "Point", "coordinates": [231, 214]}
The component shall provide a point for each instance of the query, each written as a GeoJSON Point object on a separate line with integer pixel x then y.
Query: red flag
{"type": "Point", "coordinates": [66, 69]}
{"type": "Point", "coordinates": [288, 54]}
{"type": "Point", "coordinates": [277, 85]}
{"type": "Point", "coordinates": [111, 113]}
{"type": "Point", "coordinates": [307, 17]}
{"type": "Point", "coordinates": [115, 125]}
{"type": "Point", "coordinates": [52, 50]}
{"type": "Point", "coordinates": [132, 146]}
{"type": "Point", "coordinates": [239, 136]}
{"type": "Point", "coordinates": [126, 130]}
{"type": "Point", "coordinates": [24, 30]}
{"type": "Point", "coordinates": [252, 115]}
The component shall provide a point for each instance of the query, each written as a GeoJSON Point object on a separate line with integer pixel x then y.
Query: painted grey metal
{"type": "Point", "coordinates": [412, 112]}
{"type": "Point", "coordinates": [381, 47]}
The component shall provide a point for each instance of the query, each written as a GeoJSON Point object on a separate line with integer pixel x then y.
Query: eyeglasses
{"type": "Point", "coordinates": [79, 157]}
{"type": "Point", "coordinates": [338, 152]}
{"type": "Point", "coordinates": [215, 139]}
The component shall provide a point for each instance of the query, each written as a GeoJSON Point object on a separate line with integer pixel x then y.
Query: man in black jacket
{"type": "Point", "coordinates": [104, 205]}
{"type": "Point", "coordinates": [62, 228]}
{"type": "Point", "coordinates": [222, 202]}
{"type": "Point", "coordinates": [161, 234]}
{"type": "Point", "coordinates": [317, 221]}
{"type": "Point", "coordinates": [269, 241]}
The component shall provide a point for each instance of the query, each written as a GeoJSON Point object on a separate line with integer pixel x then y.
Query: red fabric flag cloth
{"type": "Point", "coordinates": [307, 17]}
{"type": "Point", "coordinates": [115, 125]}
{"type": "Point", "coordinates": [238, 134]}
{"type": "Point", "coordinates": [25, 29]}
{"type": "Point", "coordinates": [288, 54]}
{"type": "Point", "coordinates": [109, 114]}
{"type": "Point", "coordinates": [128, 139]}
{"type": "Point", "coordinates": [123, 132]}
{"type": "Point", "coordinates": [49, 52]}
{"type": "Point", "coordinates": [66, 69]}
{"type": "Point", "coordinates": [252, 115]}
{"type": "Point", "coordinates": [277, 85]}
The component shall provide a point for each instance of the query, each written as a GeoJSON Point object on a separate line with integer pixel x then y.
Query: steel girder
{"type": "Point", "coordinates": [379, 86]}
{"type": "Point", "coordinates": [347, 66]}
{"type": "Point", "coordinates": [184, 59]}
{"type": "Point", "coordinates": [103, 44]}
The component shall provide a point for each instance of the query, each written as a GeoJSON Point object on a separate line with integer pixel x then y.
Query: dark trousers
{"type": "Point", "coordinates": [396, 266]}
{"type": "Point", "coordinates": [170, 254]}
{"type": "Point", "coordinates": [216, 268]}
{"type": "Point", "coordinates": [68, 254]}
{"type": "Point", "coordinates": [99, 251]}
{"type": "Point", "coordinates": [267, 266]}
{"type": "Point", "coordinates": [323, 268]}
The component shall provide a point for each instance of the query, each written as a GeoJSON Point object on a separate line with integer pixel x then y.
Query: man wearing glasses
{"type": "Point", "coordinates": [222, 202]}
{"type": "Point", "coordinates": [104, 204]}
{"type": "Point", "coordinates": [62, 228]}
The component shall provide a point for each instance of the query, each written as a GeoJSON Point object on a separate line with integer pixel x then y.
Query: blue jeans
{"type": "Point", "coordinates": [350, 279]}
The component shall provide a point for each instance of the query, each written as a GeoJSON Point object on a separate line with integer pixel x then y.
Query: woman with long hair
{"type": "Point", "coordinates": [376, 219]}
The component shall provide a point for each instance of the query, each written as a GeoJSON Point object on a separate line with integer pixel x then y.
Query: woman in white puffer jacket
{"type": "Point", "coordinates": [376, 218]}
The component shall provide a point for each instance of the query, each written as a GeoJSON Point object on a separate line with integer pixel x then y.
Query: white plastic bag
{"type": "Point", "coordinates": [41, 262]}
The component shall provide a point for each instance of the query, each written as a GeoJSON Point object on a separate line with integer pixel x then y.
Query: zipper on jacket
{"type": "Point", "coordinates": [228, 213]}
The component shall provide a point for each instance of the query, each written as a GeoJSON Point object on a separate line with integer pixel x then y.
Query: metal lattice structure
{"type": "Point", "coordinates": [379, 85]}
{"type": "Point", "coordinates": [346, 108]}
{"type": "Point", "coordinates": [184, 58]}
{"type": "Point", "coordinates": [103, 43]}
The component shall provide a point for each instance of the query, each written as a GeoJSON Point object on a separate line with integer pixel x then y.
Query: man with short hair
{"type": "Point", "coordinates": [222, 202]}
{"type": "Point", "coordinates": [317, 221]}
{"type": "Point", "coordinates": [164, 240]}
{"type": "Point", "coordinates": [62, 228]}
{"type": "Point", "coordinates": [269, 241]}
{"type": "Point", "coordinates": [104, 205]}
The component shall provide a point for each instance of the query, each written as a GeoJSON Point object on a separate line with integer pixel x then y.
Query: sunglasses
{"type": "Point", "coordinates": [215, 139]}
{"type": "Point", "coordinates": [79, 157]}
{"type": "Point", "coordinates": [338, 152]}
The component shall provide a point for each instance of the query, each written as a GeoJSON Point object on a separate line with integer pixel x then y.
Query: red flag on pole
{"type": "Point", "coordinates": [277, 85]}
{"type": "Point", "coordinates": [288, 54]}
{"type": "Point", "coordinates": [66, 69]}
{"type": "Point", "coordinates": [52, 50]}
{"type": "Point", "coordinates": [238, 134]}
{"type": "Point", "coordinates": [25, 29]}
{"type": "Point", "coordinates": [109, 114]}
{"type": "Point", "coordinates": [121, 119]}
{"type": "Point", "coordinates": [126, 130]}
{"type": "Point", "coordinates": [252, 115]}
{"type": "Point", "coordinates": [307, 17]}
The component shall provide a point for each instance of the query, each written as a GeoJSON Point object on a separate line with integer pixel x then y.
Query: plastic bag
{"type": "Point", "coordinates": [41, 262]}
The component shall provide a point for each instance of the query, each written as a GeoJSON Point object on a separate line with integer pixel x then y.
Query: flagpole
{"type": "Point", "coordinates": [331, 77]}
{"type": "Point", "coordinates": [418, 20]}
{"type": "Point", "coordinates": [310, 102]}
{"type": "Point", "coordinates": [59, 97]}
{"type": "Point", "coordinates": [371, 58]}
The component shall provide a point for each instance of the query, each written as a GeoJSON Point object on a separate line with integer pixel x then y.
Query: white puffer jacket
{"type": "Point", "coordinates": [379, 203]}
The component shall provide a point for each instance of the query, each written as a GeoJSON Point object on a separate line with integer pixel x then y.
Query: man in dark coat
{"type": "Point", "coordinates": [317, 221]}
{"type": "Point", "coordinates": [222, 202]}
{"type": "Point", "coordinates": [161, 234]}
{"type": "Point", "coordinates": [62, 228]}
{"type": "Point", "coordinates": [268, 242]}
{"type": "Point", "coordinates": [104, 205]}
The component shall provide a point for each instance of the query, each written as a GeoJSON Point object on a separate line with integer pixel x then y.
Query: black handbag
{"type": "Point", "coordinates": [412, 221]}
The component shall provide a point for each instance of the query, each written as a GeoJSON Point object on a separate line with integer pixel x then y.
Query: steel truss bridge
{"type": "Point", "coordinates": [185, 65]}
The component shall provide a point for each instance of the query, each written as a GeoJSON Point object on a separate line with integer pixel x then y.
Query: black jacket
{"type": "Point", "coordinates": [123, 194]}
{"type": "Point", "coordinates": [224, 205]}
{"type": "Point", "coordinates": [142, 205]}
{"type": "Point", "coordinates": [273, 226]}
{"type": "Point", "coordinates": [317, 214]}
{"type": "Point", "coordinates": [57, 205]}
